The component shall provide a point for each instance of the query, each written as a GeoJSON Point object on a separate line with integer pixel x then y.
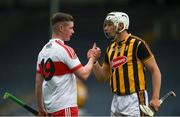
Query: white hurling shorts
{"type": "Point", "coordinates": [127, 105]}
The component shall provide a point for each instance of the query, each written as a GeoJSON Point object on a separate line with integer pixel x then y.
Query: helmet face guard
{"type": "Point", "coordinates": [116, 18]}
{"type": "Point", "coordinates": [107, 22]}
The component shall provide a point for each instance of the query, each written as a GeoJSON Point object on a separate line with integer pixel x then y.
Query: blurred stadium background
{"type": "Point", "coordinates": [24, 29]}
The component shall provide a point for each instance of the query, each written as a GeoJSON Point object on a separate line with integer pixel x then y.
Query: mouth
{"type": "Point", "coordinates": [107, 33]}
{"type": "Point", "coordinates": [71, 36]}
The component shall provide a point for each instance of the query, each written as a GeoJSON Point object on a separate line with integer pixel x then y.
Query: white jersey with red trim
{"type": "Point", "coordinates": [57, 62]}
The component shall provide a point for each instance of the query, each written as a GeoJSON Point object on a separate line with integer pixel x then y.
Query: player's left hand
{"type": "Point", "coordinates": [94, 52]}
{"type": "Point", "coordinates": [155, 103]}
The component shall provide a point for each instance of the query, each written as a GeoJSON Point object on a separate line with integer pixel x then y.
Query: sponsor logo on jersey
{"type": "Point", "coordinates": [118, 61]}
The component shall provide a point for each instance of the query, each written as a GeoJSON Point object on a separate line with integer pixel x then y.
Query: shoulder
{"type": "Point", "coordinates": [111, 45]}
{"type": "Point", "coordinates": [137, 38]}
{"type": "Point", "coordinates": [67, 49]}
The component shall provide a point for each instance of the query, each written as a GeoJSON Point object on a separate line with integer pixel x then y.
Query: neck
{"type": "Point", "coordinates": [56, 36]}
{"type": "Point", "coordinates": [121, 36]}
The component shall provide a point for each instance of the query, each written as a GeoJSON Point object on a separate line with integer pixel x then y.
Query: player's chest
{"type": "Point", "coordinates": [120, 55]}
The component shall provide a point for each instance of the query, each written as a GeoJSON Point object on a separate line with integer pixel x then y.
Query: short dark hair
{"type": "Point", "coordinates": [61, 17]}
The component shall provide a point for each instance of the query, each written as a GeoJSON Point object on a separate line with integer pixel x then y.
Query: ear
{"type": "Point", "coordinates": [120, 26]}
{"type": "Point", "coordinates": [60, 27]}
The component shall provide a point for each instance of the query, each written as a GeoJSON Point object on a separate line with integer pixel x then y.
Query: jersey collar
{"type": "Point", "coordinates": [126, 38]}
{"type": "Point", "coordinates": [124, 41]}
{"type": "Point", "coordinates": [57, 39]}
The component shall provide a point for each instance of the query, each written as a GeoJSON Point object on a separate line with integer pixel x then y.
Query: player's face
{"type": "Point", "coordinates": [68, 30]}
{"type": "Point", "coordinates": [109, 29]}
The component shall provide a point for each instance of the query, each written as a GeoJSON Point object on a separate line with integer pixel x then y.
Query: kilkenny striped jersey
{"type": "Point", "coordinates": [126, 60]}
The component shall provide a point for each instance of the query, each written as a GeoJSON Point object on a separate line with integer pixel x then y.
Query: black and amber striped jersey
{"type": "Point", "coordinates": [126, 60]}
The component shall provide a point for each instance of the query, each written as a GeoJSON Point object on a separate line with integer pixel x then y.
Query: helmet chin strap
{"type": "Point", "coordinates": [117, 32]}
{"type": "Point", "coordinates": [115, 37]}
{"type": "Point", "coordinates": [117, 28]}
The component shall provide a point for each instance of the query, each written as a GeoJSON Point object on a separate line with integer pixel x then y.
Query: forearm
{"type": "Point", "coordinates": [100, 74]}
{"type": "Point", "coordinates": [39, 98]}
{"type": "Point", "coordinates": [86, 70]}
{"type": "Point", "coordinates": [38, 91]}
{"type": "Point", "coordinates": [156, 84]}
{"type": "Point", "coordinates": [156, 77]}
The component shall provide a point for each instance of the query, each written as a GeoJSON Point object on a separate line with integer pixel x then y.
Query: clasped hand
{"type": "Point", "coordinates": [94, 52]}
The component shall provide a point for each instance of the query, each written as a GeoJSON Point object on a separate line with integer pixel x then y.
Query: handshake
{"type": "Point", "coordinates": [94, 52]}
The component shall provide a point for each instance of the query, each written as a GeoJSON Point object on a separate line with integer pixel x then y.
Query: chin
{"type": "Point", "coordinates": [67, 39]}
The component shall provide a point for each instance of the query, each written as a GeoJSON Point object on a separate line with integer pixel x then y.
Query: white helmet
{"type": "Point", "coordinates": [118, 17]}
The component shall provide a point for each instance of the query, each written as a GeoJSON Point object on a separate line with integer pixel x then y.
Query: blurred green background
{"type": "Point", "coordinates": [24, 29]}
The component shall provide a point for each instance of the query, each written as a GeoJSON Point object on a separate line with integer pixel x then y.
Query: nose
{"type": "Point", "coordinates": [73, 31]}
{"type": "Point", "coordinates": [105, 28]}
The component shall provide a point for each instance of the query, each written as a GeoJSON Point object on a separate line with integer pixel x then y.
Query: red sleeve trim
{"type": "Point", "coordinates": [60, 69]}
{"type": "Point", "coordinates": [38, 71]}
{"type": "Point", "coordinates": [76, 68]}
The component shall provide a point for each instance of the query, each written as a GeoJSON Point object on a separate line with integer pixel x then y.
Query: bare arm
{"type": "Point", "coordinates": [102, 73]}
{"type": "Point", "coordinates": [156, 82]}
{"type": "Point", "coordinates": [93, 54]}
{"type": "Point", "coordinates": [38, 92]}
{"type": "Point", "coordinates": [85, 71]}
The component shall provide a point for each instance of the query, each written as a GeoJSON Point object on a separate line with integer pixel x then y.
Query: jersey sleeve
{"type": "Point", "coordinates": [106, 60]}
{"type": "Point", "coordinates": [144, 53]}
{"type": "Point", "coordinates": [38, 66]}
{"type": "Point", "coordinates": [70, 58]}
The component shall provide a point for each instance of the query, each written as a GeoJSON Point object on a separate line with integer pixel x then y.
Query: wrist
{"type": "Point", "coordinates": [95, 62]}
{"type": "Point", "coordinates": [155, 98]}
